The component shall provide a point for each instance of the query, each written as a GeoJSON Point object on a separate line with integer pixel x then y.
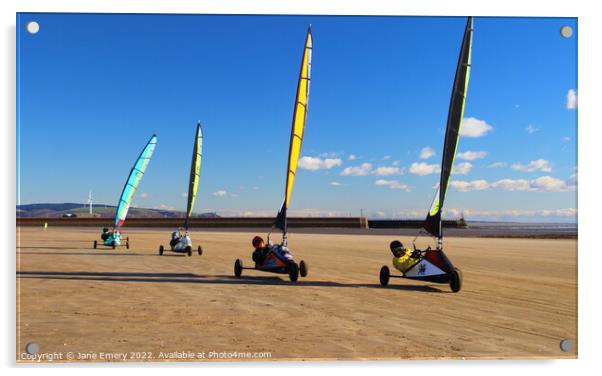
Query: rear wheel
{"type": "Point", "coordinates": [189, 251]}
{"type": "Point", "coordinates": [113, 245]}
{"type": "Point", "coordinates": [95, 244]}
{"type": "Point", "coordinates": [238, 268]}
{"type": "Point", "coordinates": [384, 275]}
{"type": "Point", "coordinates": [161, 249]}
{"type": "Point", "coordinates": [127, 242]}
{"type": "Point", "coordinates": [455, 282]}
{"type": "Point", "coordinates": [200, 250]}
{"type": "Point", "coordinates": [303, 268]}
{"type": "Point", "coordinates": [293, 271]}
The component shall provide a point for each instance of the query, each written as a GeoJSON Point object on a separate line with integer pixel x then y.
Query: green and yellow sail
{"type": "Point", "coordinates": [452, 133]}
{"type": "Point", "coordinates": [195, 172]}
{"type": "Point", "coordinates": [298, 126]}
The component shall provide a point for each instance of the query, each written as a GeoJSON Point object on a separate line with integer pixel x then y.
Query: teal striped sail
{"type": "Point", "coordinates": [133, 180]}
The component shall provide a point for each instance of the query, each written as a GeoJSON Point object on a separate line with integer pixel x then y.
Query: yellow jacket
{"type": "Point", "coordinates": [405, 262]}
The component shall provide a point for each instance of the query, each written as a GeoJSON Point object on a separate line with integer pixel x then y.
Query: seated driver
{"type": "Point", "coordinates": [175, 238]}
{"type": "Point", "coordinates": [402, 257]}
{"type": "Point", "coordinates": [105, 234]}
{"type": "Point", "coordinates": [261, 250]}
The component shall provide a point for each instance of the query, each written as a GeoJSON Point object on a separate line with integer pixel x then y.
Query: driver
{"type": "Point", "coordinates": [105, 234]}
{"type": "Point", "coordinates": [261, 250]}
{"type": "Point", "coordinates": [176, 236]}
{"type": "Point", "coordinates": [403, 258]}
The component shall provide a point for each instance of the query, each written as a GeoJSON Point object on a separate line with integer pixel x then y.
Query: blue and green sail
{"type": "Point", "coordinates": [195, 172]}
{"type": "Point", "coordinates": [432, 224]}
{"type": "Point", "coordinates": [133, 181]}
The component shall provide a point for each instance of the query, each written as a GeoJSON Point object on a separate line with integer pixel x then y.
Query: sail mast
{"type": "Point", "coordinates": [134, 178]}
{"type": "Point", "coordinates": [298, 127]}
{"type": "Point", "coordinates": [195, 172]}
{"type": "Point", "coordinates": [452, 133]}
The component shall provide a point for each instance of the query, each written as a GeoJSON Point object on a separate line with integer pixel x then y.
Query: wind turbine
{"type": "Point", "coordinates": [89, 202]}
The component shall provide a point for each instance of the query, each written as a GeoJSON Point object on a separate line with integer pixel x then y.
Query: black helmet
{"type": "Point", "coordinates": [395, 244]}
{"type": "Point", "coordinates": [105, 229]}
{"type": "Point", "coordinates": [256, 241]}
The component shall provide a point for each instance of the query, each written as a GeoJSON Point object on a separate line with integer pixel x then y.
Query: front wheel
{"type": "Point", "coordinates": [237, 268]}
{"type": "Point", "coordinates": [161, 249]}
{"type": "Point", "coordinates": [455, 281]}
{"type": "Point", "coordinates": [303, 268]}
{"type": "Point", "coordinates": [113, 245]}
{"type": "Point", "coordinates": [127, 242]}
{"type": "Point", "coordinates": [95, 244]}
{"type": "Point", "coordinates": [384, 275]}
{"type": "Point", "coordinates": [293, 271]}
{"type": "Point", "coordinates": [200, 250]}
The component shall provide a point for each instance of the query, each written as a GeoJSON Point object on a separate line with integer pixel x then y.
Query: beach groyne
{"type": "Point", "coordinates": [235, 222]}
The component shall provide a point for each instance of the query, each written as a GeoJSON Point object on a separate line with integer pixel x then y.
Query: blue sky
{"type": "Point", "coordinates": [93, 88]}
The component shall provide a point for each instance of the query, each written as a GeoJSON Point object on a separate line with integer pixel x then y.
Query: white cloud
{"type": "Point", "coordinates": [531, 129]}
{"type": "Point", "coordinates": [571, 100]}
{"type": "Point", "coordinates": [143, 195]}
{"type": "Point", "coordinates": [393, 184]}
{"type": "Point", "coordinates": [536, 165]}
{"type": "Point", "coordinates": [362, 170]}
{"type": "Point", "coordinates": [255, 188]}
{"type": "Point", "coordinates": [331, 154]}
{"type": "Point", "coordinates": [386, 171]}
{"type": "Point", "coordinates": [386, 157]}
{"type": "Point", "coordinates": [335, 184]}
{"type": "Point", "coordinates": [395, 163]}
{"type": "Point", "coordinates": [472, 155]}
{"type": "Point", "coordinates": [473, 127]}
{"type": "Point", "coordinates": [512, 185]}
{"type": "Point", "coordinates": [316, 163]}
{"type": "Point", "coordinates": [184, 194]}
{"type": "Point", "coordinates": [220, 193]}
{"type": "Point", "coordinates": [462, 168]}
{"type": "Point", "coordinates": [514, 214]}
{"type": "Point", "coordinates": [426, 153]}
{"type": "Point", "coordinates": [466, 186]}
{"type": "Point", "coordinates": [498, 165]}
{"type": "Point", "coordinates": [550, 184]}
{"type": "Point", "coordinates": [566, 139]}
{"type": "Point", "coordinates": [540, 184]}
{"type": "Point", "coordinates": [352, 157]}
{"type": "Point", "coordinates": [164, 207]}
{"type": "Point", "coordinates": [424, 168]}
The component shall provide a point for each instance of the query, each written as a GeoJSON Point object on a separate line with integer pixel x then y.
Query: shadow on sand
{"type": "Point", "coordinates": [211, 280]}
{"type": "Point", "coordinates": [100, 252]}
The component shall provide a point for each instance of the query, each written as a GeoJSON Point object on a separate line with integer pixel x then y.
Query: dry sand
{"type": "Point", "coordinates": [519, 299]}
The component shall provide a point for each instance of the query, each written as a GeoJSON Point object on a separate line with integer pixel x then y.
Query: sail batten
{"type": "Point", "coordinates": [131, 184]}
{"type": "Point", "coordinates": [195, 172]}
{"type": "Point", "coordinates": [297, 130]}
{"type": "Point", "coordinates": [432, 223]}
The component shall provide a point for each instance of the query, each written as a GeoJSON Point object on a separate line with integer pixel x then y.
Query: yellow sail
{"type": "Point", "coordinates": [299, 115]}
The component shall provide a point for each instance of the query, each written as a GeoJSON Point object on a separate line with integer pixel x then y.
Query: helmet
{"type": "Point", "coordinates": [257, 240]}
{"type": "Point", "coordinates": [105, 229]}
{"type": "Point", "coordinates": [395, 245]}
